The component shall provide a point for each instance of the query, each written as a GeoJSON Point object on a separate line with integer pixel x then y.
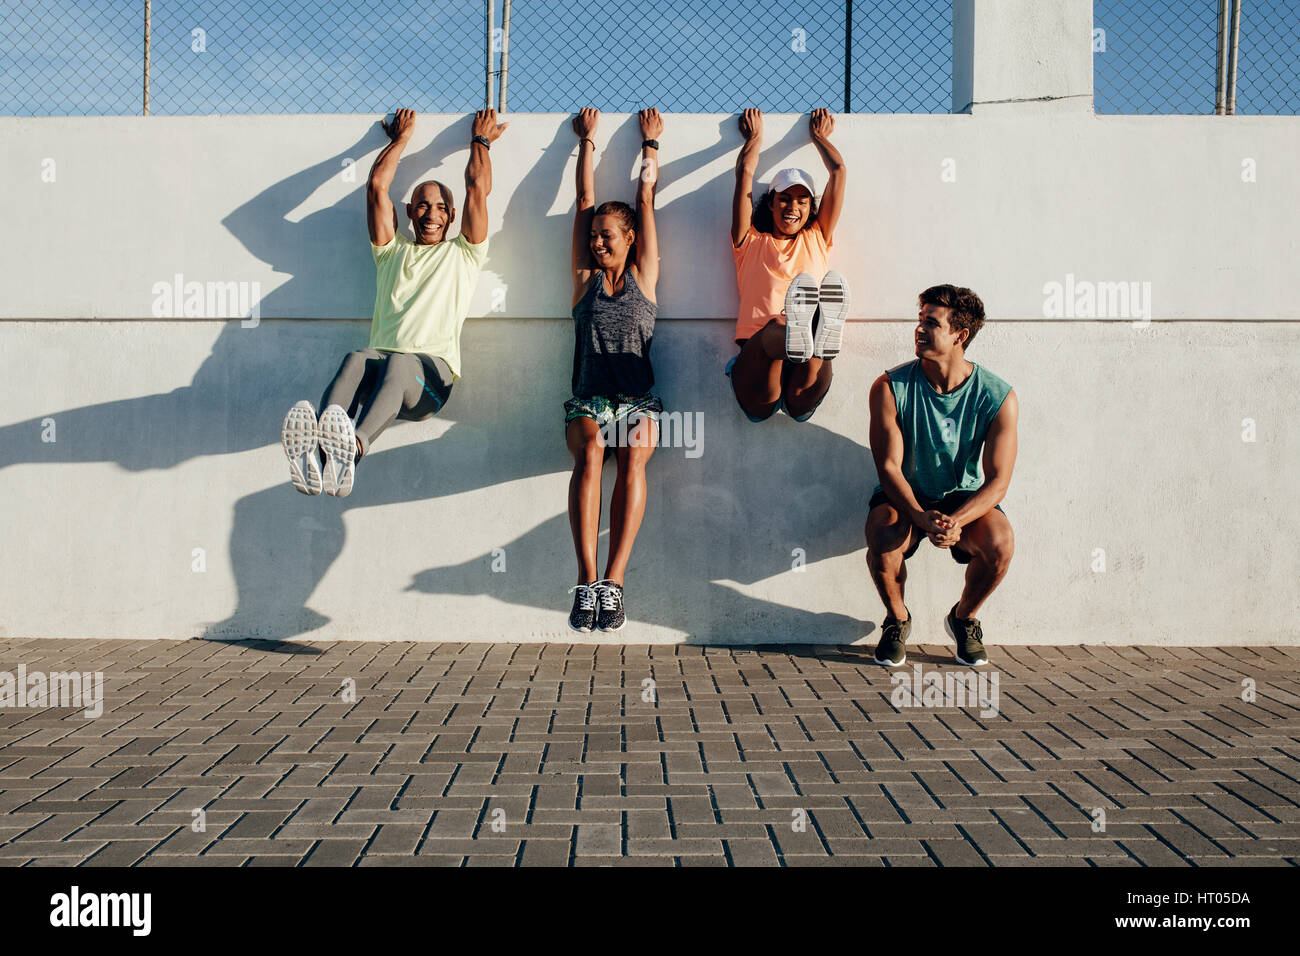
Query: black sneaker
{"type": "Point", "coordinates": [968, 634]}
{"type": "Point", "coordinates": [891, 651]}
{"type": "Point", "coordinates": [610, 616]}
{"type": "Point", "coordinates": [583, 616]}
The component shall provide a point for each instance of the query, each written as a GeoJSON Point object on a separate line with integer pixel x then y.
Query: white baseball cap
{"type": "Point", "coordinates": [786, 178]}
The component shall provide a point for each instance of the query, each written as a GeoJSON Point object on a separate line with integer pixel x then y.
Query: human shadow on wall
{"type": "Point", "coordinates": [493, 436]}
{"type": "Point", "coordinates": [325, 256]}
{"type": "Point", "coordinates": [496, 435]}
{"type": "Point", "coordinates": [249, 363]}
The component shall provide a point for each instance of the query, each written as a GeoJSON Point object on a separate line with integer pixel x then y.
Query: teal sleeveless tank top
{"type": "Point", "coordinates": [943, 435]}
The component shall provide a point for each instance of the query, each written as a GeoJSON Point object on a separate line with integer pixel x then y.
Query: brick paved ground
{"type": "Point", "coordinates": [476, 754]}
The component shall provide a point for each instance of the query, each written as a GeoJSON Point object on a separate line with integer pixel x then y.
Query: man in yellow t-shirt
{"type": "Point", "coordinates": [422, 295]}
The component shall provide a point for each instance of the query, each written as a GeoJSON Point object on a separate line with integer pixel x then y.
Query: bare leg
{"type": "Point", "coordinates": [806, 384]}
{"type": "Point", "coordinates": [627, 505]}
{"type": "Point", "coordinates": [990, 543]}
{"type": "Point", "coordinates": [889, 536]}
{"type": "Point", "coordinates": [588, 450]}
{"type": "Point", "coordinates": [756, 376]}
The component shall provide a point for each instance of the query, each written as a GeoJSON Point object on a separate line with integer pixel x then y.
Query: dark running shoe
{"type": "Point", "coordinates": [583, 616]}
{"type": "Point", "coordinates": [609, 616]}
{"type": "Point", "coordinates": [968, 634]}
{"type": "Point", "coordinates": [891, 651]}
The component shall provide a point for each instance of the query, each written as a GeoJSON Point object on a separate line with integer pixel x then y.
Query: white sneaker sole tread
{"type": "Point", "coordinates": [298, 439]}
{"type": "Point", "coordinates": [339, 442]}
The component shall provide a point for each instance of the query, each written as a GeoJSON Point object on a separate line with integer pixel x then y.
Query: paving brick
{"type": "Point", "coordinates": [335, 853]}
{"type": "Point", "coordinates": [399, 839]}
{"type": "Point", "coordinates": [955, 853]}
{"type": "Point", "coordinates": [738, 741]}
{"type": "Point", "coordinates": [596, 839]}
{"type": "Point", "coordinates": [546, 853]}
{"type": "Point", "coordinates": [673, 847]}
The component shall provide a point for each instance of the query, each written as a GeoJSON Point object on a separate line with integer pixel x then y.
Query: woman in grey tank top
{"type": "Point", "coordinates": [615, 268]}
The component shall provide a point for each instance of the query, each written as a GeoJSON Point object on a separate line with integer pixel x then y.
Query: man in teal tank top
{"type": "Point", "coordinates": [934, 421]}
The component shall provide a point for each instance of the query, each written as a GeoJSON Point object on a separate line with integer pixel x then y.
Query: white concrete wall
{"type": "Point", "coordinates": [166, 453]}
{"type": "Point", "coordinates": [167, 441]}
{"type": "Point", "coordinates": [1036, 197]}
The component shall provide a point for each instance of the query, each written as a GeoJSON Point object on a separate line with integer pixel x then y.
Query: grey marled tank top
{"type": "Point", "coordinates": [612, 338]}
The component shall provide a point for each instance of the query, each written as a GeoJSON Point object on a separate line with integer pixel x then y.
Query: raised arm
{"type": "Point", "coordinates": [999, 458]}
{"type": "Point", "coordinates": [584, 125]}
{"type": "Point", "coordinates": [381, 216]}
{"type": "Point", "coordinates": [820, 125]}
{"type": "Point", "coordinates": [478, 176]}
{"type": "Point", "coordinates": [647, 237]}
{"type": "Point", "coordinates": [742, 203]}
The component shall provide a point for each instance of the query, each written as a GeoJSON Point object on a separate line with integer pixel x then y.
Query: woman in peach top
{"type": "Point", "coordinates": [792, 310]}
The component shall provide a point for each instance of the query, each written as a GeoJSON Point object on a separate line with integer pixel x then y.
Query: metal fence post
{"type": "Point", "coordinates": [1232, 57]}
{"type": "Point", "coordinates": [148, 9]}
{"type": "Point", "coordinates": [1221, 62]}
{"type": "Point", "coordinates": [505, 55]}
{"type": "Point", "coordinates": [848, 53]}
{"type": "Point", "coordinates": [487, 52]}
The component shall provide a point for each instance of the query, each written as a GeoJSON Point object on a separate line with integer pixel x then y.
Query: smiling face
{"type": "Point", "coordinates": [790, 210]}
{"type": "Point", "coordinates": [431, 212]}
{"type": "Point", "coordinates": [934, 337]}
{"type": "Point", "coordinates": [610, 242]}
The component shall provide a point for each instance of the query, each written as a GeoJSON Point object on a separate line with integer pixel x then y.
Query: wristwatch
{"type": "Point", "coordinates": [486, 143]}
{"type": "Point", "coordinates": [652, 143]}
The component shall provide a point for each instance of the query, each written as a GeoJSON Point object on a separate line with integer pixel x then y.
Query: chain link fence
{"type": "Point", "coordinates": [719, 57]}
{"type": "Point", "coordinates": [1162, 56]}
{"type": "Point", "coordinates": [241, 56]}
{"type": "Point", "coordinates": [368, 56]}
{"type": "Point", "coordinates": [1268, 57]}
{"type": "Point", "coordinates": [87, 57]}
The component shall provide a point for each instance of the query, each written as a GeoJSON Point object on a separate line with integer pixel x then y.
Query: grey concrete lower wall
{"type": "Point", "coordinates": [162, 507]}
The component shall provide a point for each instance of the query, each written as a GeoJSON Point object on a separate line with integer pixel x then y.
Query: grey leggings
{"type": "Point", "coordinates": [387, 385]}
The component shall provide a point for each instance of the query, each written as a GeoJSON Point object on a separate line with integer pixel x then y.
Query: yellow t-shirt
{"type": "Point", "coordinates": [764, 269]}
{"type": "Point", "coordinates": [422, 295]}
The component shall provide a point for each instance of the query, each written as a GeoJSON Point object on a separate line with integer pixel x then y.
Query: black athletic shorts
{"type": "Point", "coordinates": [947, 504]}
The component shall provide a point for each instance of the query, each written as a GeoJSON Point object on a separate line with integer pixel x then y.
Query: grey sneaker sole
{"type": "Point", "coordinates": [947, 626]}
{"type": "Point", "coordinates": [890, 663]}
{"type": "Point", "coordinates": [339, 442]}
{"type": "Point", "coordinates": [800, 307]}
{"type": "Point", "coordinates": [833, 300]}
{"type": "Point", "coordinates": [298, 439]}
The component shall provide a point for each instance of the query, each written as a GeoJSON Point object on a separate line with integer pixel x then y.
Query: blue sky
{"type": "Point", "coordinates": [84, 57]}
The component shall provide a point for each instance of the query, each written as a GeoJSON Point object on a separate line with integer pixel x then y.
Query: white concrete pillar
{"type": "Point", "coordinates": [1023, 55]}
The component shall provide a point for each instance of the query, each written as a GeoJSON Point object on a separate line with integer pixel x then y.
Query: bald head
{"type": "Point", "coordinates": [431, 211]}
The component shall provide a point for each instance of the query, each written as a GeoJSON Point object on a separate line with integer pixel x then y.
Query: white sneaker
{"type": "Point", "coordinates": [833, 300]}
{"type": "Point", "coordinates": [800, 307]}
{"type": "Point", "coordinates": [339, 442]}
{"type": "Point", "coordinates": [298, 438]}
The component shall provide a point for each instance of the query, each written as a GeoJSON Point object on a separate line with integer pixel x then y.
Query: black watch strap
{"type": "Point", "coordinates": [486, 143]}
{"type": "Point", "coordinates": [652, 143]}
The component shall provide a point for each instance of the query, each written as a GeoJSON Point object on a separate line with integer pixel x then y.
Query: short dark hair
{"type": "Point", "coordinates": [966, 309]}
{"type": "Point", "coordinates": [763, 214]}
